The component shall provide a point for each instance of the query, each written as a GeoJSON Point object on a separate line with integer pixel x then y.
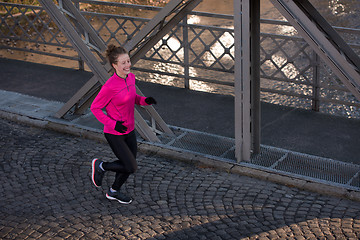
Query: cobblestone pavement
{"type": "Point", "coordinates": [46, 193]}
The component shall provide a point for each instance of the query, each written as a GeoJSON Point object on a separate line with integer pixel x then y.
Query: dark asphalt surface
{"type": "Point", "coordinates": [46, 193]}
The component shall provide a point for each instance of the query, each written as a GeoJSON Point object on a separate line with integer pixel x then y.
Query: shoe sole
{"type": "Point", "coordinates": [93, 172]}
{"type": "Point", "coordinates": [112, 198]}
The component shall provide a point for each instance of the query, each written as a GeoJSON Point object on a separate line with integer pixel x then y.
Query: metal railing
{"type": "Point", "coordinates": [193, 55]}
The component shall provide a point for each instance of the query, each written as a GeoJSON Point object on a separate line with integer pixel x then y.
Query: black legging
{"type": "Point", "coordinates": [124, 148]}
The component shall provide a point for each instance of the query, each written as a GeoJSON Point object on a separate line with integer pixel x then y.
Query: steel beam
{"type": "Point", "coordinates": [162, 28]}
{"type": "Point", "coordinates": [67, 28]}
{"type": "Point", "coordinates": [89, 32]}
{"type": "Point", "coordinates": [150, 26]}
{"type": "Point", "coordinates": [242, 80]}
{"type": "Point", "coordinates": [255, 75]}
{"type": "Point", "coordinates": [88, 86]}
{"type": "Point", "coordinates": [324, 40]}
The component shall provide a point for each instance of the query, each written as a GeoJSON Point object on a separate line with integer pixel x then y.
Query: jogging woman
{"type": "Point", "coordinates": [118, 97]}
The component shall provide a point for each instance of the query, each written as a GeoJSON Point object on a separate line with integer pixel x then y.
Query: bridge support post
{"type": "Point", "coordinates": [247, 78]}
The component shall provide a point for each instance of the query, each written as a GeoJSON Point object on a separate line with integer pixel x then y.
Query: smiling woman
{"type": "Point", "coordinates": [118, 97]}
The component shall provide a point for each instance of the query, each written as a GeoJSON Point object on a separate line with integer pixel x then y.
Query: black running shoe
{"type": "Point", "coordinates": [97, 173]}
{"type": "Point", "coordinates": [120, 197]}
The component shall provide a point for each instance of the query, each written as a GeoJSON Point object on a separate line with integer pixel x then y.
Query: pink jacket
{"type": "Point", "coordinates": [118, 97]}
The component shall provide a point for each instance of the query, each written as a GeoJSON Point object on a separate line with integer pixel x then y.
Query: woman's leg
{"type": "Point", "coordinates": [125, 149]}
{"type": "Point", "coordinates": [120, 178]}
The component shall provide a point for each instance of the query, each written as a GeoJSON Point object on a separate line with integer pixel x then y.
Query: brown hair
{"type": "Point", "coordinates": [113, 52]}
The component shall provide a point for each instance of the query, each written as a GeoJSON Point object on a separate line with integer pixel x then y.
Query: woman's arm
{"type": "Point", "coordinates": [140, 100]}
{"type": "Point", "coordinates": [102, 100]}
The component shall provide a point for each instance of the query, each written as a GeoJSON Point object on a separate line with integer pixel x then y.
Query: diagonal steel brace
{"type": "Point", "coordinates": [324, 40]}
{"type": "Point", "coordinates": [151, 33]}
{"type": "Point", "coordinates": [101, 72]}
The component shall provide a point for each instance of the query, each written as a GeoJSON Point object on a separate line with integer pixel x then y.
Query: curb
{"type": "Point", "coordinates": [198, 160]}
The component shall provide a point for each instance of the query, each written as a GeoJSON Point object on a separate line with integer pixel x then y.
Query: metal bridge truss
{"type": "Point", "coordinates": [83, 38]}
{"type": "Point", "coordinates": [324, 40]}
{"type": "Point", "coordinates": [316, 31]}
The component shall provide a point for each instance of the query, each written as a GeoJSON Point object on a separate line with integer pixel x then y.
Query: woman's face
{"type": "Point", "coordinates": [122, 66]}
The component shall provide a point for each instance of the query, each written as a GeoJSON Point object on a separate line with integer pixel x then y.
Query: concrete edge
{"type": "Point", "coordinates": [196, 159]}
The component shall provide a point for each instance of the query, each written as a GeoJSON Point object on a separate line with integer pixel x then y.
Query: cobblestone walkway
{"type": "Point", "coordinates": [46, 193]}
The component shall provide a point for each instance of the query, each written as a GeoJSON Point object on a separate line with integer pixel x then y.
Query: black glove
{"type": "Point", "coordinates": [120, 127]}
{"type": "Point", "coordinates": [150, 100]}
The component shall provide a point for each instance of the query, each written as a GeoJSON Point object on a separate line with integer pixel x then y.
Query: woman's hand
{"type": "Point", "coordinates": [150, 100]}
{"type": "Point", "coordinates": [120, 127]}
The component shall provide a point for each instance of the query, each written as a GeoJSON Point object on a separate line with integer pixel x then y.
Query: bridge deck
{"type": "Point", "coordinates": [290, 137]}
